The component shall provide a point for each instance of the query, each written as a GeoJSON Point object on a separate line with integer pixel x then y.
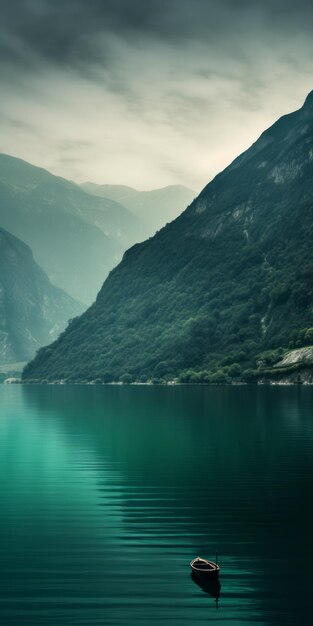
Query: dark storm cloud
{"type": "Point", "coordinates": [147, 92]}
{"type": "Point", "coordinates": [58, 29]}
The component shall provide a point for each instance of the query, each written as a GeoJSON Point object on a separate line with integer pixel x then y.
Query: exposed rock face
{"type": "Point", "coordinates": [303, 376]}
{"type": "Point", "coordinates": [32, 311]}
{"type": "Point", "coordinates": [228, 279]}
{"type": "Point", "coordinates": [294, 368]}
{"type": "Point", "coordinates": [301, 356]}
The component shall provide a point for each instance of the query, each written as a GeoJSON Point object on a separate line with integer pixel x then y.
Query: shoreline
{"type": "Point", "coordinates": [260, 383]}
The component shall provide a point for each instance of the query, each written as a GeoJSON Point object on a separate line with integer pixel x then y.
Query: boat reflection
{"type": "Point", "coordinates": [209, 586]}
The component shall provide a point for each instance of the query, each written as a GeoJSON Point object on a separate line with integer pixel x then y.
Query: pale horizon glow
{"type": "Point", "coordinates": [144, 105]}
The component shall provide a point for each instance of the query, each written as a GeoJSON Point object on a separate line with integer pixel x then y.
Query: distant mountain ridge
{"type": "Point", "coordinates": [155, 207]}
{"type": "Point", "coordinates": [76, 237]}
{"type": "Point", "coordinates": [32, 311]}
{"type": "Point", "coordinates": [217, 291]}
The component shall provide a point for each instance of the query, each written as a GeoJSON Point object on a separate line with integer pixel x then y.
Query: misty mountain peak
{"type": "Point", "coordinates": [308, 104]}
{"type": "Point", "coordinates": [229, 278]}
{"type": "Point", "coordinates": [309, 99]}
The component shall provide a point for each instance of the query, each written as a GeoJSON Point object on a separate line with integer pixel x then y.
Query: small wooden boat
{"type": "Point", "coordinates": [203, 567]}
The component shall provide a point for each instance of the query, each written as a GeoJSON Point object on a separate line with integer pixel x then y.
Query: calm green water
{"type": "Point", "coordinates": [106, 493]}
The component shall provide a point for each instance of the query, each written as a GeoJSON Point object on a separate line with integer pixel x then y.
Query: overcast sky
{"type": "Point", "coordinates": [148, 92]}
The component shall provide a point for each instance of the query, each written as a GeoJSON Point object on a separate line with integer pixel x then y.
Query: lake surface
{"type": "Point", "coordinates": [107, 493]}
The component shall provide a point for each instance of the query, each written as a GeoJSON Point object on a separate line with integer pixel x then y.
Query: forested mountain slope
{"type": "Point", "coordinates": [32, 311]}
{"type": "Point", "coordinates": [76, 237]}
{"type": "Point", "coordinates": [229, 279]}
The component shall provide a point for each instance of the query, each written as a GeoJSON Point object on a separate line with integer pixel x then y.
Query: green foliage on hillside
{"type": "Point", "coordinates": [226, 282]}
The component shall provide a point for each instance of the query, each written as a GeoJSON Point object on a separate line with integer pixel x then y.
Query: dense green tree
{"type": "Point", "coordinates": [209, 294]}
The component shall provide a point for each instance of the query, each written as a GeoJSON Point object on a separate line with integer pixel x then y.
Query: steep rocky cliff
{"type": "Point", "coordinates": [32, 311]}
{"type": "Point", "coordinates": [230, 278]}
